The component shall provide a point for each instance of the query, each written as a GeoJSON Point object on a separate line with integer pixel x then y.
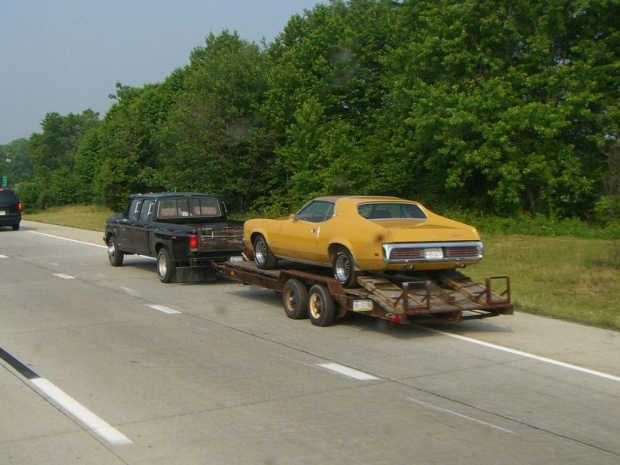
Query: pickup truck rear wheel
{"type": "Point", "coordinates": [295, 299]}
{"type": "Point", "coordinates": [166, 269]}
{"type": "Point", "coordinates": [321, 306]}
{"type": "Point", "coordinates": [263, 256]}
{"type": "Point", "coordinates": [114, 254]}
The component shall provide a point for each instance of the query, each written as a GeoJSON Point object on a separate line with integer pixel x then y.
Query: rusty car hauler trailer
{"type": "Point", "coordinates": [446, 295]}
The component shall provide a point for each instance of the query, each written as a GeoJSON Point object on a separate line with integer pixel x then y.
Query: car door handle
{"type": "Point", "coordinates": [313, 230]}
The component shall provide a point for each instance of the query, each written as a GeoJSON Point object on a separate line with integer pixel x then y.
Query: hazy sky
{"type": "Point", "coordinates": [65, 56]}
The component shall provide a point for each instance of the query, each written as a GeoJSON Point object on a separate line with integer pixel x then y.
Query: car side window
{"type": "Point", "coordinates": [316, 212]}
{"type": "Point", "coordinates": [147, 206]}
{"type": "Point", "coordinates": [134, 209]}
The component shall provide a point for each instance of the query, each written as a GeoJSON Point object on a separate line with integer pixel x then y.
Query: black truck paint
{"type": "Point", "coordinates": [186, 232]}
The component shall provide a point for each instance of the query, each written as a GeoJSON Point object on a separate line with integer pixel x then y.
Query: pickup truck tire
{"type": "Point", "coordinates": [114, 254]}
{"type": "Point", "coordinates": [295, 299]}
{"type": "Point", "coordinates": [166, 269]}
{"type": "Point", "coordinates": [263, 256]}
{"type": "Point", "coordinates": [344, 268]}
{"type": "Point", "coordinates": [321, 306]}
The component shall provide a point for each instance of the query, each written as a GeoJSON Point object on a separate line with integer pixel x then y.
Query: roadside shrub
{"type": "Point", "coordinates": [29, 196]}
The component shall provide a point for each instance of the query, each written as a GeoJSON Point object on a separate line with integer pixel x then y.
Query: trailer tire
{"type": "Point", "coordinates": [166, 269]}
{"type": "Point", "coordinates": [321, 306]}
{"type": "Point", "coordinates": [263, 256]}
{"type": "Point", "coordinates": [114, 254]}
{"type": "Point", "coordinates": [295, 299]}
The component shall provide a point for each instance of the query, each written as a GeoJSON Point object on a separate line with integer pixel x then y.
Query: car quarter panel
{"type": "Point", "coordinates": [362, 237]}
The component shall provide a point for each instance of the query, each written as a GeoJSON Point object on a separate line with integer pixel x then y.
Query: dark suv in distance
{"type": "Point", "coordinates": [10, 208]}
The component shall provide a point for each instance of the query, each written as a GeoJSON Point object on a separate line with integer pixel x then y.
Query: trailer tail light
{"type": "Point", "coordinates": [193, 243]}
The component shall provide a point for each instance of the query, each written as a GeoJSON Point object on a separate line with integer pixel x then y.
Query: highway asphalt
{"type": "Point", "coordinates": [105, 365]}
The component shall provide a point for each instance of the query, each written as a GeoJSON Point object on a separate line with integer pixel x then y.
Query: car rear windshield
{"type": "Point", "coordinates": [7, 197]}
{"type": "Point", "coordinates": [197, 207]}
{"type": "Point", "coordinates": [391, 210]}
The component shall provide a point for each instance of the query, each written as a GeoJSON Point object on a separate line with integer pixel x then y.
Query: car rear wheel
{"type": "Point", "coordinates": [295, 299]}
{"type": "Point", "coordinates": [344, 268]}
{"type": "Point", "coordinates": [15, 227]}
{"type": "Point", "coordinates": [264, 258]}
{"type": "Point", "coordinates": [114, 254]}
{"type": "Point", "coordinates": [321, 306]}
{"type": "Point", "coordinates": [166, 269]}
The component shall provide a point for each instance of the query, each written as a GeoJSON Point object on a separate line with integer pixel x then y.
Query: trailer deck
{"type": "Point", "coordinates": [315, 293]}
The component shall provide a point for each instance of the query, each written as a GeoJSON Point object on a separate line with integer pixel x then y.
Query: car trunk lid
{"type": "Point", "coordinates": [401, 231]}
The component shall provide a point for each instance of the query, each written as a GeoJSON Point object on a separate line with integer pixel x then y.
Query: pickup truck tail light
{"type": "Point", "coordinates": [193, 243]}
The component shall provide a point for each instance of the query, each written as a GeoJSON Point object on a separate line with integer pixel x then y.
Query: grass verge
{"type": "Point", "coordinates": [90, 217]}
{"type": "Point", "coordinates": [571, 278]}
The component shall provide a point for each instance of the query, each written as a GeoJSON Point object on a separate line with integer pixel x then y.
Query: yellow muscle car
{"type": "Point", "coordinates": [356, 234]}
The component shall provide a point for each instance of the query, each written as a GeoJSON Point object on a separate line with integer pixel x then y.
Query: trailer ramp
{"type": "Point", "coordinates": [449, 295]}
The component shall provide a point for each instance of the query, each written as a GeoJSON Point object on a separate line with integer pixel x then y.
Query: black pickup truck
{"type": "Point", "coordinates": [186, 232]}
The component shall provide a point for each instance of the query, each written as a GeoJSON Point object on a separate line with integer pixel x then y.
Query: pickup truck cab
{"type": "Point", "coordinates": [186, 232]}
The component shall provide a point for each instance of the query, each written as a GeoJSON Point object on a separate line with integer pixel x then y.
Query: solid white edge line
{"type": "Point", "coordinates": [67, 239]}
{"type": "Point", "coordinates": [451, 412]}
{"type": "Point", "coordinates": [526, 355]}
{"type": "Point", "coordinates": [82, 242]}
{"type": "Point", "coordinates": [161, 308]}
{"type": "Point", "coordinates": [346, 371]}
{"type": "Point", "coordinates": [85, 416]}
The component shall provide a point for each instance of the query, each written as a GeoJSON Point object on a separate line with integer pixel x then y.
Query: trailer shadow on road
{"type": "Point", "coordinates": [364, 322]}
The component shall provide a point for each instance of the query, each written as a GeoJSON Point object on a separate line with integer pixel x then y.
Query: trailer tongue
{"type": "Point", "coordinates": [446, 295]}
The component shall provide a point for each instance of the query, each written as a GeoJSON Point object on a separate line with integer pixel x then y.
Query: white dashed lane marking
{"type": "Point", "coordinates": [346, 371]}
{"type": "Point", "coordinates": [161, 308]}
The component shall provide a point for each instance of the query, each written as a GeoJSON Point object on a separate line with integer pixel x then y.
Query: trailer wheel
{"type": "Point", "coordinates": [166, 269]}
{"type": "Point", "coordinates": [344, 268]}
{"type": "Point", "coordinates": [263, 256]}
{"type": "Point", "coordinates": [114, 254]}
{"type": "Point", "coordinates": [321, 306]}
{"type": "Point", "coordinates": [295, 299]}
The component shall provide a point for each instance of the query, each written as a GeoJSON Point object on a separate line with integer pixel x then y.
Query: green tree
{"type": "Point", "coordinates": [128, 159]}
{"type": "Point", "coordinates": [325, 93]}
{"type": "Point", "coordinates": [54, 151]}
{"type": "Point", "coordinates": [503, 103]}
{"type": "Point", "coordinates": [214, 139]}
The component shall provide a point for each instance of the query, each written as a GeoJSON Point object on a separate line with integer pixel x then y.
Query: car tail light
{"type": "Point", "coordinates": [19, 207]}
{"type": "Point", "coordinates": [193, 243]}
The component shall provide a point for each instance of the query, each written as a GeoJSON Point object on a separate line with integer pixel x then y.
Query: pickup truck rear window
{"type": "Point", "coordinates": [203, 207]}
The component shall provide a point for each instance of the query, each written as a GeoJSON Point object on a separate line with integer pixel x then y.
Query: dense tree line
{"type": "Point", "coordinates": [502, 106]}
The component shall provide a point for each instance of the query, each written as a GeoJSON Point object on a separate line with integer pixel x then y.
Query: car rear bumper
{"type": "Point", "coordinates": [433, 255]}
{"type": "Point", "coordinates": [10, 220]}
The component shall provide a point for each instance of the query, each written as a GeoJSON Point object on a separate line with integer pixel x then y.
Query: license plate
{"type": "Point", "coordinates": [236, 258]}
{"type": "Point", "coordinates": [3, 212]}
{"type": "Point", "coordinates": [362, 305]}
{"type": "Point", "coordinates": [436, 253]}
